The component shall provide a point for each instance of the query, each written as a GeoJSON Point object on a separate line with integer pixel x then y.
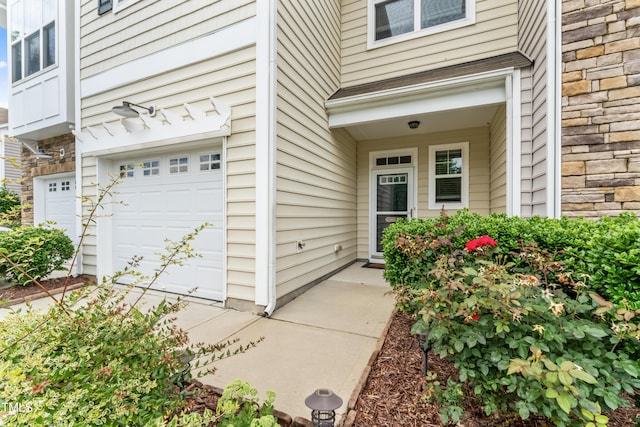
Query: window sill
{"type": "Point", "coordinates": [374, 44]}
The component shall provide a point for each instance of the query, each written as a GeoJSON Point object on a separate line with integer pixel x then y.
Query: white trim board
{"type": "Point", "coordinates": [226, 40]}
{"type": "Point", "coordinates": [443, 95]}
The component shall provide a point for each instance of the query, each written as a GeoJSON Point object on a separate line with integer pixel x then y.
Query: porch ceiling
{"type": "Point", "coordinates": [439, 121]}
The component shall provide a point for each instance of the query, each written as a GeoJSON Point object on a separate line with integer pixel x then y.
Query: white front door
{"type": "Point", "coordinates": [166, 196]}
{"type": "Point", "coordinates": [392, 198]}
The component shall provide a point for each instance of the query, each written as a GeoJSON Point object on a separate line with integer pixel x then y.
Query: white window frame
{"type": "Point", "coordinates": [151, 168]}
{"type": "Point", "coordinates": [372, 43]}
{"type": "Point", "coordinates": [119, 5]}
{"type": "Point", "coordinates": [464, 203]}
{"type": "Point", "coordinates": [23, 38]}
{"type": "Point", "coordinates": [179, 165]}
{"type": "Point", "coordinates": [210, 161]}
{"type": "Point", "coordinates": [126, 170]}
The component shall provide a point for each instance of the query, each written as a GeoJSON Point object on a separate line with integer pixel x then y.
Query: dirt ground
{"type": "Point", "coordinates": [393, 396]}
{"type": "Point", "coordinates": [18, 293]}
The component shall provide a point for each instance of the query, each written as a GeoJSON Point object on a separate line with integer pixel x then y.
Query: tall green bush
{"type": "Point", "coordinates": [30, 253]}
{"type": "Point", "coordinates": [97, 357]}
{"type": "Point", "coordinates": [605, 254]}
{"type": "Point", "coordinates": [10, 211]}
{"type": "Point", "coordinates": [524, 335]}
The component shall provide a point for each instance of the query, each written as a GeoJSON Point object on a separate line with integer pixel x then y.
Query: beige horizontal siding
{"type": "Point", "coordinates": [494, 33]}
{"type": "Point", "coordinates": [479, 171]}
{"type": "Point", "coordinates": [231, 79]}
{"type": "Point", "coordinates": [146, 27]}
{"type": "Point", "coordinates": [498, 156]}
{"type": "Point", "coordinates": [315, 167]}
{"type": "Point", "coordinates": [532, 21]}
{"type": "Point", "coordinates": [12, 172]}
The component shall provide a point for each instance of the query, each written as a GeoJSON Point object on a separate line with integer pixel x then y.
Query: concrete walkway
{"type": "Point", "coordinates": [322, 339]}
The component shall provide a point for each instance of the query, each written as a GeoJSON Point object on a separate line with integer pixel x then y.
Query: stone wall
{"type": "Point", "coordinates": [600, 107]}
{"type": "Point", "coordinates": [33, 167]}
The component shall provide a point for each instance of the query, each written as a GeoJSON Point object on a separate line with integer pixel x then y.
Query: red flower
{"type": "Point", "coordinates": [480, 242]}
{"type": "Point", "coordinates": [475, 317]}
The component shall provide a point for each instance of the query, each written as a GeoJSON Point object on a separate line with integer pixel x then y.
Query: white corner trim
{"type": "Point", "coordinates": [228, 39]}
{"type": "Point", "coordinates": [513, 143]}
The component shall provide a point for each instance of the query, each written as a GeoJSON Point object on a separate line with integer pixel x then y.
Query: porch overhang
{"type": "Point", "coordinates": [468, 85]}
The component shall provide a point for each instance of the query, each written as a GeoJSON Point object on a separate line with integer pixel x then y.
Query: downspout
{"type": "Point", "coordinates": [554, 149]}
{"type": "Point", "coordinates": [78, 125]}
{"type": "Point", "coordinates": [265, 157]}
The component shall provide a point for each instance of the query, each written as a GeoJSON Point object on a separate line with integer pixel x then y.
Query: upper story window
{"type": "Point", "coordinates": [395, 20]}
{"type": "Point", "coordinates": [32, 26]}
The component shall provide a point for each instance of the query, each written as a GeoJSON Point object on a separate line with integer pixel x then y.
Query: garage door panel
{"type": "Point", "coordinates": [59, 205]}
{"type": "Point", "coordinates": [169, 207]}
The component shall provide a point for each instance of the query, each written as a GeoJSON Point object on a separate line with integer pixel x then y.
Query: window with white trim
{"type": "Point", "coordinates": [104, 6]}
{"type": "Point", "coordinates": [126, 171]}
{"type": "Point", "coordinates": [449, 176]}
{"type": "Point", "coordinates": [151, 168]}
{"type": "Point", "coordinates": [32, 29]}
{"type": "Point", "coordinates": [121, 4]}
{"type": "Point", "coordinates": [65, 185]}
{"type": "Point", "coordinates": [179, 165]}
{"type": "Point", "coordinates": [209, 162]}
{"type": "Point", "coordinates": [53, 187]}
{"type": "Point", "coordinates": [395, 20]}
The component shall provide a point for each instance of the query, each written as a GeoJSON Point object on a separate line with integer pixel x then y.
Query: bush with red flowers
{"type": "Point", "coordinates": [520, 341]}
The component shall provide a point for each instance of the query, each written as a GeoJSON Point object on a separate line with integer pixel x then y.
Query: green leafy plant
{"type": "Point", "coordinates": [10, 208]}
{"type": "Point", "coordinates": [239, 406]}
{"type": "Point", "coordinates": [523, 333]}
{"type": "Point", "coordinates": [96, 357]}
{"type": "Point", "coordinates": [30, 253]}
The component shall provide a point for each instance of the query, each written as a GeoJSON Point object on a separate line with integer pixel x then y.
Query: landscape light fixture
{"type": "Point", "coordinates": [413, 124]}
{"type": "Point", "coordinates": [323, 403]}
{"type": "Point", "coordinates": [127, 110]}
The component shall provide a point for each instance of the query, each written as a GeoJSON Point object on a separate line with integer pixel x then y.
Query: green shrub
{"type": "Point", "coordinates": [611, 258]}
{"type": "Point", "coordinates": [240, 406]}
{"type": "Point", "coordinates": [605, 254]}
{"type": "Point", "coordinates": [10, 211]}
{"type": "Point", "coordinates": [96, 360]}
{"type": "Point", "coordinates": [31, 253]}
{"type": "Point", "coordinates": [518, 338]}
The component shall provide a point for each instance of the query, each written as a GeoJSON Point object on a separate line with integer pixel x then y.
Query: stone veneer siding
{"type": "Point", "coordinates": [32, 167]}
{"type": "Point", "coordinates": [600, 107]}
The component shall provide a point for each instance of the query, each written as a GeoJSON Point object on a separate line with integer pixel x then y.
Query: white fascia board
{"type": "Point", "coordinates": [450, 94]}
{"type": "Point", "coordinates": [153, 138]}
{"type": "Point", "coordinates": [228, 39]}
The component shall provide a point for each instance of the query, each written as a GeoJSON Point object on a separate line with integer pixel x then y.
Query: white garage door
{"type": "Point", "coordinates": [59, 201]}
{"type": "Point", "coordinates": [165, 197]}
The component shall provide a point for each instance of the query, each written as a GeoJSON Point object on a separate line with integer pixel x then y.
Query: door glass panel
{"type": "Point", "coordinates": [382, 222]}
{"type": "Point", "coordinates": [392, 191]}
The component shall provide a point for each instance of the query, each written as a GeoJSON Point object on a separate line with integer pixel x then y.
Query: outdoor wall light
{"type": "Point", "coordinates": [323, 403]}
{"type": "Point", "coordinates": [413, 124]}
{"type": "Point", "coordinates": [127, 110]}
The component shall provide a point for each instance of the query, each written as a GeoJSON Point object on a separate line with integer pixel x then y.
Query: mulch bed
{"type": "Point", "coordinates": [392, 395]}
{"type": "Point", "coordinates": [18, 294]}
